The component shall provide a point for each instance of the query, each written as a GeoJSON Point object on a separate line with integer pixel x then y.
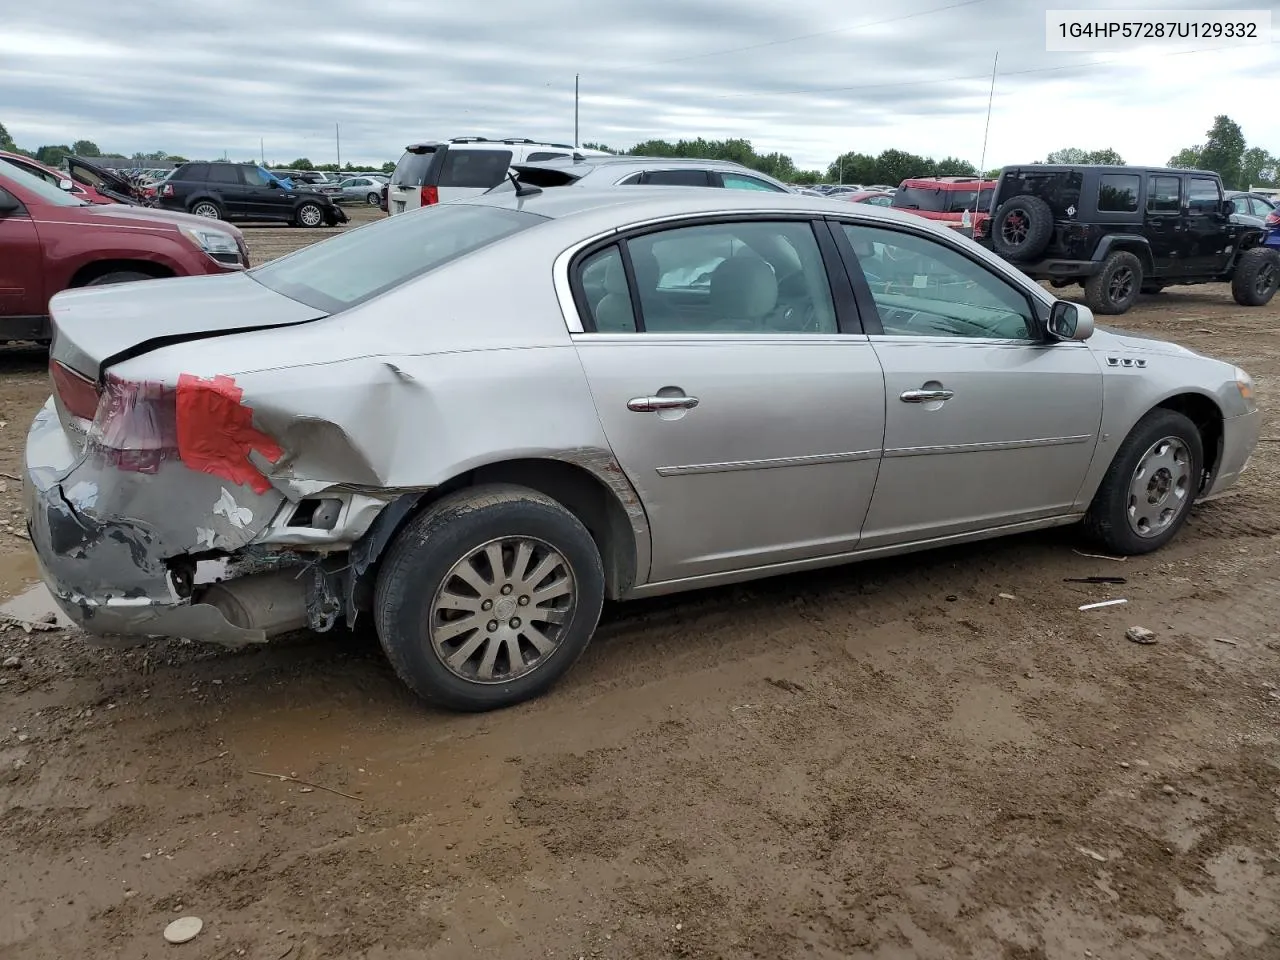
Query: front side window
{"type": "Point", "coordinates": [740, 181]}
{"type": "Point", "coordinates": [356, 266]}
{"type": "Point", "coordinates": [923, 288]}
{"type": "Point", "coordinates": [1203, 195]}
{"type": "Point", "coordinates": [48, 192]}
{"type": "Point", "coordinates": [256, 177]}
{"type": "Point", "coordinates": [479, 169]}
{"type": "Point", "coordinates": [746, 277]}
{"type": "Point", "coordinates": [1164, 195]}
{"type": "Point", "coordinates": [1118, 193]}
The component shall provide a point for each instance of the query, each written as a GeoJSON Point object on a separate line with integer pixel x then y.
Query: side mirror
{"type": "Point", "coordinates": [66, 185]}
{"type": "Point", "coordinates": [8, 203]}
{"type": "Point", "coordinates": [1070, 321]}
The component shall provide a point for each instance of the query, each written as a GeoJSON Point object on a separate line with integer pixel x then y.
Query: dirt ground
{"type": "Point", "coordinates": [931, 757]}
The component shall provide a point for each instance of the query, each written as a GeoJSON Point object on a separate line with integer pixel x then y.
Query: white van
{"type": "Point", "coordinates": [440, 171]}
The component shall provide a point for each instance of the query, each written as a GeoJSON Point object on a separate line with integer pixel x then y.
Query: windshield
{"type": "Point", "coordinates": [49, 192]}
{"type": "Point", "coordinates": [353, 267]}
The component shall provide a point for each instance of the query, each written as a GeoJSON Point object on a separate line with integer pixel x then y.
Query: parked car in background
{"type": "Point", "coordinates": [438, 171]}
{"type": "Point", "coordinates": [873, 197]}
{"type": "Point", "coordinates": [361, 189]}
{"type": "Point", "coordinates": [1250, 209]}
{"type": "Point", "coordinates": [53, 177]}
{"type": "Point", "coordinates": [237, 495]}
{"type": "Point", "coordinates": [244, 191]}
{"type": "Point", "coordinates": [951, 200]}
{"type": "Point", "coordinates": [50, 240]}
{"type": "Point", "coordinates": [609, 170]}
{"type": "Point", "coordinates": [1121, 231]}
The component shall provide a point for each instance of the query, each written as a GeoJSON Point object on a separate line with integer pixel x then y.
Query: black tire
{"type": "Point", "coordinates": [309, 215]}
{"type": "Point", "coordinates": [1107, 521]}
{"type": "Point", "coordinates": [1256, 277]}
{"type": "Point", "coordinates": [1114, 288]}
{"type": "Point", "coordinates": [211, 209]}
{"type": "Point", "coordinates": [373, 199]}
{"type": "Point", "coordinates": [1022, 228]}
{"type": "Point", "coordinates": [119, 276]}
{"type": "Point", "coordinates": [418, 565]}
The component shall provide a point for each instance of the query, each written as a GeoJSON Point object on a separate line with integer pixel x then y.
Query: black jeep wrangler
{"type": "Point", "coordinates": [1121, 231]}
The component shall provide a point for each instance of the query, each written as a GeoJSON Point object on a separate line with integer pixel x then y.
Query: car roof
{"type": "Point", "coordinates": [619, 159]}
{"type": "Point", "coordinates": [1105, 168]}
{"type": "Point", "coordinates": [944, 182]}
{"type": "Point", "coordinates": [636, 204]}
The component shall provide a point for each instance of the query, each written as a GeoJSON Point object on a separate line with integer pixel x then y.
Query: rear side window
{"type": "Point", "coordinates": [1164, 195]}
{"type": "Point", "coordinates": [543, 155]}
{"type": "Point", "coordinates": [352, 267]}
{"type": "Point", "coordinates": [740, 181]}
{"type": "Point", "coordinates": [193, 171]}
{"type": "Point", "coordinates": [930, 199]}
{"type": "Point", "coordinates": [1203, 195]}
{"type": "Point", "coordinates": [677, 178]}
{"type": "Point", "coordinates": [1061, 190]}
{"type": "Point", "coordinates": [413, 168]}
{"type": "Point", "coordinates": [474, 168]}
{"type": "Point", "coordinates": [1118, 193]}
{"type": "Point", "coordinates": [224, 173]}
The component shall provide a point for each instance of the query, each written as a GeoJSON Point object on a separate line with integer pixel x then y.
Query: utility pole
{"type": "Point", "coordinates": [262, 152]}
{"type": "Point", "coordinates": [576, 143]}
{"type": "Point", "coordinates": [337, 139]}
{"type": "Point", "coordinates": [982, 165]}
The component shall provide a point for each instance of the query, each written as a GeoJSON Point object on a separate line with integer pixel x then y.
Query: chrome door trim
{"type": "Point", "coordinates": [986, 447]}
{"type": "Point", "coordinates": [734, 465]}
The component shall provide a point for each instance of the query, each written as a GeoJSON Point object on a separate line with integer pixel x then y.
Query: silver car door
{"type": "Point", "coordinates": [987, 422]}
{"type": "Point", "coordinates": [736, 391]}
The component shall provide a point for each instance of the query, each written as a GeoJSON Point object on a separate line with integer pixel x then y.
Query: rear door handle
{"type": "Point", "coordinates": [926, 396]}
{"type": "Point", "coordinates": [652, 404]}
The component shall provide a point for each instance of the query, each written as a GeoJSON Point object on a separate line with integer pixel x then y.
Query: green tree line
{"type": "Point", "coordinates": [1223, 151]}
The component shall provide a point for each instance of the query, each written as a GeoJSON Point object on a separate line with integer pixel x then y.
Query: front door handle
{"type": "Point", "coordinates": [926, 396]}
{"type": "Point", "coordinates": [652, 404]}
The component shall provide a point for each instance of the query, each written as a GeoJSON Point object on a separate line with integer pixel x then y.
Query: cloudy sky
{"type": "Point", "coordinates": [811, 78]}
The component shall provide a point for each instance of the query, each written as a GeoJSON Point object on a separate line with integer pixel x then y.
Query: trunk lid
{"type": "Point", "coordinates": [106, 182]}
{"type": "Point", "coordinates": [95, 327]}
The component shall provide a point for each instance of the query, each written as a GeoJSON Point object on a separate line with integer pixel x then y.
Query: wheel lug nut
{"type": "Point", "coordinates": [487, 605]}
{"type": "Point", "coordinates": [493, 626]}
{"type": "Point", "coordinates": [515, 623]}
{"type": "Point", "coordinates": [524, 601]}
{"type": "Point", "coordinates": [506, 590]}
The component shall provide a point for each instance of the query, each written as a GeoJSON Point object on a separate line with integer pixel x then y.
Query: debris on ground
{"type": "Point", "coordinates": [1141, 635]}
{"type": "Point", "coordinates": [1092, 854]}
{"type": "Point", "coordinates": [183, 929]}
{"type": "Point", "coordinates": [1103, 603]}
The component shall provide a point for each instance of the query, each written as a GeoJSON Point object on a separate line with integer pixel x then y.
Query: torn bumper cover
{"type": "Point", "coordinates": [106, 538]}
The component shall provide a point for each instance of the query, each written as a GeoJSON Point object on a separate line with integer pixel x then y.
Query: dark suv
{"type": "Point", "coordinates": [244, 191]}
{"type": "Point", "coordinates": [1121, 231]}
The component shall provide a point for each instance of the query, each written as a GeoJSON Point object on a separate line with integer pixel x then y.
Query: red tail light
{"type": "Point", "coordinates": [136, 426]}
{"type": "Point", "coordinates": [430, 195]}
{"type": "Point", "coordinates": [167, 190]}
{"type": "Point", "coordinates": [79, 394]}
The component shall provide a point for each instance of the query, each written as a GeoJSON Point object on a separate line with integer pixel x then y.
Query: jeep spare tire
{"type": "Point", "coordinates": [1022, 228]}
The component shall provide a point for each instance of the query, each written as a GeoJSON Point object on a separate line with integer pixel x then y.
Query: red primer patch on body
{"type": "Point", "coordinates": [216, 432]}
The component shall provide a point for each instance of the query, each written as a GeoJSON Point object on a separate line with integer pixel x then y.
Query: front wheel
{"type": "Point", "coordinates": [1148, 490]}
{"type": "Point", "coordinates": [1114, 288]}
{"type": "Point", "coordinates": [119, 276]}
{"type": "Point", "coordinates": [373, 199]}
{"type": "Point", "coordinates": [1256, 276]}
{"type": "Point", "coordinates": [488, 597]}
{"type": "Point", "coordinates": [310, 215]}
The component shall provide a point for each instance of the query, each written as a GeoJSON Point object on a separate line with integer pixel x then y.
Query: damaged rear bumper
{"type": "Point", "coordinates": [113, 575]}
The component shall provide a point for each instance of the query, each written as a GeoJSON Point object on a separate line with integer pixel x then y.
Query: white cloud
{"type": "Point", "coordinates": [152, 75]}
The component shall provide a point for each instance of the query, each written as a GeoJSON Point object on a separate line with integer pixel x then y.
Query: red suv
{"type": "Point", "coordinates": [82, 191]}
{"type": "Point", "coordinates": [947, 199]}
{"type": "Point", "coordinates": [50, 240]}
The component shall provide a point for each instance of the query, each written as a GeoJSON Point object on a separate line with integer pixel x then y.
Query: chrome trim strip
{"type": "Point", "coordinates": [986, 447]}
{"type": "Point", "coordinates": [770, 464]}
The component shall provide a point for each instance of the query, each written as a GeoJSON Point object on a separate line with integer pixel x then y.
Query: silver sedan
{"type": "Point", "coordinates": [361, 190]}
{"type": "Point", "coordinates": [667, 389]}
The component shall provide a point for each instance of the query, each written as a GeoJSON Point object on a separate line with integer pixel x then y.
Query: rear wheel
{"type": "Point", "coordinates": [1148, 490]}
{"type": "Point", "coordinates": [207, 208]}
{"type": "Point", "coordinates": [373, 199]}
{"type": "Point", "coordinates": [1114, 288]}
{"type": "Point", "coordinates": [310, 215]}
{"type": "Point", "coordinates": [487, 598]}
{"type": "Point", "coordinates": [1256, 276]}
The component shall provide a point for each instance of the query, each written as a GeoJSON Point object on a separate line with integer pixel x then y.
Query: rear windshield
{"type": "Point", "coordinates": [353, 267]}
{"type": "Point", "coordinates": [474, 168]}
{"type": "Point", "coordinates": [1061, 190]}
{"type": "Point", "coordinates": [413, 168]}
{"type": "Point", "coordinates": [928, 199]}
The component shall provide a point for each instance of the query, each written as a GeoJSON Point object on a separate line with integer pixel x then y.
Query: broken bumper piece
{"type": "Point", "coordinates": [103, 537]}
